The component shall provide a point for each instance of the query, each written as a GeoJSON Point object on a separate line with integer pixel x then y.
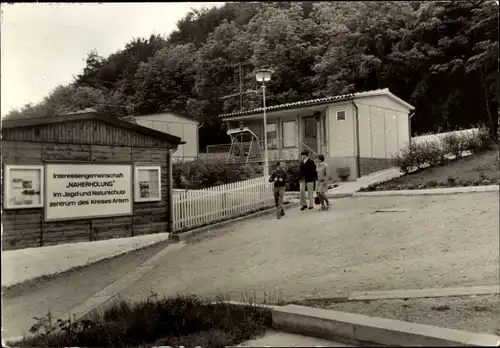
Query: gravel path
{"type": "Point", "coordinates": [440, 241]}
{"type": "Point", "coordinates": [476, 314]}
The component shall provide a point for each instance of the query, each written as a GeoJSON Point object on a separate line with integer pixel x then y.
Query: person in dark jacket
{"type": "Point", "coordinates": [279, 178]}
{"type": "Point", "coordinates": [308, 175]}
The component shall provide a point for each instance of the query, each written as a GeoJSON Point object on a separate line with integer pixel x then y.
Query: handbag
{"type": "Point", "coordinates": [317, 201]}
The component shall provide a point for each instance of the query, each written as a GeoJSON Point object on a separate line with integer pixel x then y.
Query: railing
{"type": "Point", "coordinates": [194, 208]}
{"type": "Point", "coordinates": [439, 136]}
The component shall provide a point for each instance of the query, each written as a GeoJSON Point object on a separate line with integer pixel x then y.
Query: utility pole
{"type": "Point", "coordinates": [241, 88]}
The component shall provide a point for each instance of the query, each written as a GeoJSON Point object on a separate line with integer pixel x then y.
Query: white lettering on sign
{"type": "Point", "coordinates": [87, 190]}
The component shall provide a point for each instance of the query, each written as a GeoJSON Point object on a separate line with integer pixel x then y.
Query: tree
{"type": "Point", "coordinates": [165, 81]}
{"type": "Point", "coordinates": [484, 62]}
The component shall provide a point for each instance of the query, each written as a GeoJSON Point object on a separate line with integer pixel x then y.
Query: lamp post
{"type": "Point", "coordinates": [264, 75]}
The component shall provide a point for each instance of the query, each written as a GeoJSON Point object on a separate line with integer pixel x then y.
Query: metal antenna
{"type": "Point", "coordinates": [241, 93]}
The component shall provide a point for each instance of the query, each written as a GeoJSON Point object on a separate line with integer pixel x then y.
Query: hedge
{"type": "Point", "coordinates": [432, 153]}
{"type": "Point", "coordinates": [200, 174]}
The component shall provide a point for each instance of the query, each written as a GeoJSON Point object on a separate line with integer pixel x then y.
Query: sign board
{"type": "Point", "coordinates": [82, 191]}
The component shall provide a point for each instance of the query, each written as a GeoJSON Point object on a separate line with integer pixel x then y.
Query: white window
{"type": "Point", "coordinates": [147, 184]}
{"type": "Point", "coordinates": [341, 115]}
{"type": "Point", "coordinates": [289, 134]}
{"type": "Point", "coordinates": [23, 186]}
{"type": "Point", "coordinates": [271, 136]}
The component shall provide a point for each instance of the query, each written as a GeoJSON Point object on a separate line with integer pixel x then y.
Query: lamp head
{"type": "Point", "coordinates": [263, 75]}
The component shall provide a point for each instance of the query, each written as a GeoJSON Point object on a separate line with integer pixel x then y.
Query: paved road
{"type": "Point", "coordinates": [439, 241]}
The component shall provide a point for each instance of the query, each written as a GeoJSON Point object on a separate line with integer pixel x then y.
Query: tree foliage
{"type": "Point", "coordinates": [441, 57]}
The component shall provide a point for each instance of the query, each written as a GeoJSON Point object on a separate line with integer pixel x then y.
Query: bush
{"type": "Point", "coordinates": [431, 153]}
{"type": "Point", "coordinates": [477, 141]}
{"type": "Point", "coordinates": [454, 144]}
{"type": "Point", "coordinates": [200, 174]}
{"type": "Point", "coordinates": [293, 170]}
{"type": "Point", "coordinates": [182, 320]}
{"type": "Point", "coordinates": [484, 141]}
{"type": "Point", "coordinates": [418, 155]}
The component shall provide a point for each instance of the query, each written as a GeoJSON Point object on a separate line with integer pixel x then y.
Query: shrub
{"type": "Point", "coordinates": [293, 171]}
{"type": "Point", "coordinates": [454, 144]}
{"type": "Point", "coordinates": [181, 320]}
{"type": "Point", "coordinates": [430, 153]}
{"type": "Point", "coordinates": [484, 141]}
{"type": "Point", "coordinates": [477, 141]}
{"type": "Point", "coordinates": [418, 155]}
{"type": "Point", "coordinates": [199, 174]}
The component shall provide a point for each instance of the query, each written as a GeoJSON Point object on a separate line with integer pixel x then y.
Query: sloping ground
{"type": "Point", "coordinates": [482, 168]}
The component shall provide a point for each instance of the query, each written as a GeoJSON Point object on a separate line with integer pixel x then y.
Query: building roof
{"type": "Point", "coordinates": [133, 118]}
{"type": "Point", "coordinates": [326, 100]}
{"type": "Point", "coordinates": [81, 116]}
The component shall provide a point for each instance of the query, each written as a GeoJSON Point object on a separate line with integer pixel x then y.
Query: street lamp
{"type": "Point", "coordinates": [264, 75]}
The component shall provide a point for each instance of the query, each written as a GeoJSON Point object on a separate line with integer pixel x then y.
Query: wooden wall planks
{"type": "Point", "coordinates": [82, 141]}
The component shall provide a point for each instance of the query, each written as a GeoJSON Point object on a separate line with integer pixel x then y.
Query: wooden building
{"type": "Point", "coordinates": [83, 177]}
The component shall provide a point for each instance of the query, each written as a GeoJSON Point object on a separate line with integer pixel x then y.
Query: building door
{"type": "Point", "coordinates": [310, 135]}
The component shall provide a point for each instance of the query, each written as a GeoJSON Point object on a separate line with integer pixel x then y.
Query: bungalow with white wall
{"type": "Point", "coordinates": [172, 123]}
{"type": "Point", "coordinates": [360, 131]}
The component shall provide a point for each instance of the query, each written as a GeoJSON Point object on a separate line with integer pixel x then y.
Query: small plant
{"type": "Point", "coordinates": [454, 144]}
{"type": "Point", "coordinates": [180, 320]}
{"type": "Point", "coordinates": [343, 173]}
{"type": "Point", "coordinates": [451, 181]}
{"type": "Point", "coordinates": [418, 156]}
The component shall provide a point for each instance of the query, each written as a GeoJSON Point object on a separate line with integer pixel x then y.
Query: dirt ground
{"type": "Point", "coordinates": [439, 241]}
{"type": "Point", "coordinates": [434, 241]}
{"type": "Point", "coordinates": [476, 314]}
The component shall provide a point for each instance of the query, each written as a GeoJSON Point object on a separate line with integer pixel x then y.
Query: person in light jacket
{"type": "Point", "coordinates": [322, 183]}
{"type": "Point", "coordinates": [307, 178]}
{"type": "Point", "coordinates": [279, 178]}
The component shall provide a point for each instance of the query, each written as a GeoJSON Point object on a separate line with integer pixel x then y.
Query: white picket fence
{"type": "Point", "coordinates": [193, 208]}
{"type": "Point", "coordinates": [440, 136]}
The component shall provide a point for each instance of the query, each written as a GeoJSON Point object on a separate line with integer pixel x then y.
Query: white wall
{"type": "Point", "coordinates": [341, 139]}
{"type": "Point", "coordinates": [176, 125]}
{"type": "Point", "coordinates": [384, 126]}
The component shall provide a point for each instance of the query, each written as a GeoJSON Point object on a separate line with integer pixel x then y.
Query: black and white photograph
{"type": "Point", "coordinates": [250, 174]}
{"type": "Point", "coordinates": [144, 188]}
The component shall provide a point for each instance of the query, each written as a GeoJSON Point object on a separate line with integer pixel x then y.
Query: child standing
{"type": "Point", "coordinates": [322, 185]}
{"type": "Point", "coordinates": [278, 177]}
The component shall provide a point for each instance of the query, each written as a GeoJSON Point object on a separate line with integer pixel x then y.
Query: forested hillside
{"type": "Point", "coordinates": [442, 57]}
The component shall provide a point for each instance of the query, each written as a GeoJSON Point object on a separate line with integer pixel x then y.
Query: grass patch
{"type": "Point", "coordinates": [174, 321]}
{"type": "Point", "coordinates": [474, 170]}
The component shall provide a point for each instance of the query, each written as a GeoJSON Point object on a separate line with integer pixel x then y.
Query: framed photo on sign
{"type": "Point", "coordinates": [23, 186]}
{"type": "Point", "coordinates": [147, 184]}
